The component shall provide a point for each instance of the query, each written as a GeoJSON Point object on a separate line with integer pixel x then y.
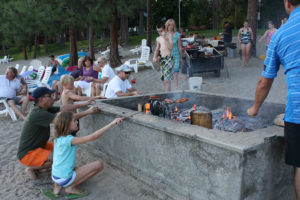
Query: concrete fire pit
{"type": "Point", "coordinates": [185, 161]}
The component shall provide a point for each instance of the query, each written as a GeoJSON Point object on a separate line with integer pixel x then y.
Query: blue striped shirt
{"type": "Point", "coordinates": [284, 48]}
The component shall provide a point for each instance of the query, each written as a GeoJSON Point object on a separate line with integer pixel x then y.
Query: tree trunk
{"type": "Point", "coordinates": [35, 46]}
{"type": "Point", "coordinates": [235, 16]}
{"type": "Point", "coordinates": [149, 24]}
{"type": "Point", "coordinates": [73, 46]}
{"type": "Point", "coordinates": [25, 52]}
{"type": "Point", "coordinates": [252, 18]}
{"type": "Point", "coordinates": [141, 19]}
{"type": "Point", "coordinates": [3, 49]}
{"type": "Point", "coordinates": [114, 53]}
{"type": "Point", "coordinates": [46, 44]}
{"type": "Point", "coordinates": [124, 30]}
{"type": "Point", "coordinates": [215, 11]}
{"type": "Point", "coordinates": [91, 42]}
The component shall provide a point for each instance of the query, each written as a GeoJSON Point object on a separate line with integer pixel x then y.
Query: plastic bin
{"type": "Point", "coordinates": [231, 51]}
{"type": "Point", "coordinates": [195, 83]}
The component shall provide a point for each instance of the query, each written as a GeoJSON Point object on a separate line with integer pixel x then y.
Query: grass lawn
{"type": "Point", "coordinates": [57, 49]}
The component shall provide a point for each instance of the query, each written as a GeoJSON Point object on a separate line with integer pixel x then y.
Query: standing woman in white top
{"type": "Point", "coordinates": [107, 74]}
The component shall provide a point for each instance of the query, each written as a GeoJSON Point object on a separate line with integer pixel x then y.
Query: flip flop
{"type": "Point", "coordinates": [75, 196]}
{"type": "Point", "coordinates": [49, 194]}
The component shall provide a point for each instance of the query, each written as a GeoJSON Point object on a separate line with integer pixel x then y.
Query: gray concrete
{"type": "Point", "coordinates": [183, 161]}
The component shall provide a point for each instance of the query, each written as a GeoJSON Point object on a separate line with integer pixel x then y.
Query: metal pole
{"type": "Point", "coordinates": [179, 14]}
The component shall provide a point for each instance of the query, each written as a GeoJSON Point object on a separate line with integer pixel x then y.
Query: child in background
{"type": "Point", "coordinates": [68, 95]}
{"type": "Point", "coordinates": [64, 173]}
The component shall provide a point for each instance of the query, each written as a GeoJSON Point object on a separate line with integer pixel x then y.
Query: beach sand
{"type": "Point", "coordinates": [114, 183]}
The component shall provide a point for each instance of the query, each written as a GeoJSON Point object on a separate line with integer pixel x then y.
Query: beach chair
{"type": "Point", "coordinates": [105, 85]}
{"type": "Point", "coordinates": [4, 60]}
{"type": "Point", "coordinates": [142, 61]}
{"type": "Point", "coordinates": [30, 68]}
{"type": "Point", "coordinates": [24, 68]}
{"type": "Point", "coordinates": [36, 64]}
{"type": "Point", "coordinates": [5, 109]}
{"type": "Point", "coordinates": [107, 52]}
{"type": "Point", "coordinates": [40, 73]}
{"type": "Point", "coordinates": [33, 84]}
{"type": "Point", "coordinates": [87, 92]}
{"type": "Point", "coordinates": [138, 49]}
{"type": "Point", "coordinates": [17, 67]}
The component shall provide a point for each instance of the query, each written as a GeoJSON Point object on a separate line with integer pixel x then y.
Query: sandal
{"type": "Point", "coordinates": [49, 194]}
{"type": "Point", "coordinates": [75, 196]}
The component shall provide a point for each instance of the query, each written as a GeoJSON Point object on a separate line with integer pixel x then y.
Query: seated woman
{"type": "Point", "coordinates": [89, 70]}
{"type": "Point", "coordinates": [107, 75]}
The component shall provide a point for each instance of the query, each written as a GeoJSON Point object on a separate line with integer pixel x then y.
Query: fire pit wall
{"type": "Point", "coordinates": [184, 161]}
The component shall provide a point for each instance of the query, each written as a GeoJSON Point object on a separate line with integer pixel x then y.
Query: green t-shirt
{"type": "Point", "coordinates": [36, 129]}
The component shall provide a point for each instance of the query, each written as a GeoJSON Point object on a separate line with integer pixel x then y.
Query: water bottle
{"type": "Point", "coordinates": [99, 75]}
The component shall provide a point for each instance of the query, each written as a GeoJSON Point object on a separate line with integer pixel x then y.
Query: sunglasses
{"type": "Point", "coordinates": [127, 72]}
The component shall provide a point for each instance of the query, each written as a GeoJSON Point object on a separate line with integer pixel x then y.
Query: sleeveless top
{"type": "Point", "coordinates": [245, 36]}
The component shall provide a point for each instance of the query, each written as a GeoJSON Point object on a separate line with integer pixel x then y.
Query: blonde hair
{"type": "Point", "coordinates": [66, 79]}
{"type": "Point", "coordinates": [102, 60]}
{"type": "Point", "coordinates": [14, 70]}
{"type": "Point", "coordinates": [62, 123]}
{"type": "Point", "coordinates": [80, 60]}
{"type": "Point", "coordinates": [169, 22]}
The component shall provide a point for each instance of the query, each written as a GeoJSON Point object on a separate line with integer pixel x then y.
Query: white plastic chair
{"type": "Point", "coordinates": [33, 84]}
{"type": "Point", "coordinates": [24, 68]}
{"type": "Point", "coordinates": [105, 85]}
{"type": "Point", "coordinates": [7, 110]}
{"type": "Point", "coordinates": [30, 68]}
{"type": "Point", "coordinates": [88, 91]}
{"type": "Point", "coordinates": [17, 67]}
{"type": "Point", "coordinates": [106, 52]}
{"type": "Point", "coordinates": [138, 49]}
{"type": "Point", "coordinates": [142, 61]}
{"type": "Point", "coordinates": [36, 64]}
{"type": "Point", "coordinates": [46, 76]}
{"type": "Point", "coordinates": [40, 73]}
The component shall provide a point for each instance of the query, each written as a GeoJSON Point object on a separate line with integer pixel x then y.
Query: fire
{"type": "Point", "coordinates": [194, 107]}
{"type": "Point", "coordinates": [176, 109]}
{"type": "Point", "coordinates": [228, 114]}
{"type": "Point", "coordinates": [147, 108]}
{"type": "Point", "coordinates": [190, 118]}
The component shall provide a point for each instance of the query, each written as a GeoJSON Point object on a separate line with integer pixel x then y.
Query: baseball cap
{"type": "Point", "coordinates": [40, 91]}
{"type": "Point", "coordinates": [124, 68]}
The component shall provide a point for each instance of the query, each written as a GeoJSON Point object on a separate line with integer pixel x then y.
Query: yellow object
{"type": "Point", "coordinates": [262, 57]}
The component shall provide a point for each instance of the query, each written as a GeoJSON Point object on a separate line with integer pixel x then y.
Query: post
{"type": "Point", "coordinates": [179, 15]}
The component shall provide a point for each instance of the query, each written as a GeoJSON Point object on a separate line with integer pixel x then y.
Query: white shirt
{"type": "Point", "coordinates": [116, 85]}
{"type": "Point", "coordinates": [108, 72]}
{"type": "Point", "coordinates": [9, 89]}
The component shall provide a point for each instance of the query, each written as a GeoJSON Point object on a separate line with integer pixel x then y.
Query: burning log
{"type": "Point", "coordinates": [201, 118]}
{"type": "Point", "coordinates": [182, 100]}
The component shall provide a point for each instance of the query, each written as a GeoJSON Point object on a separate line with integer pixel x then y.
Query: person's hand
{"type": "Point", "coordinates": [100, 97]}
{"type": "Point", "coordinates": [136, 92]}
{"type": "Point", "coordinates": [154, 59]}
{"type": "Point", "coordinates": [90, 78]}
{"type": "Point", "coordinates": [181, 61]}
{"type": "Point", "coordinates": [252, 111]}
{"type": "Point", "coordinates": [93, 110]}
{"type": "Point", "coordinates": [91, 101]}
{"type": "Point", "coordinates": [81, 78]}
{"type": "Point", "coordinates": [118, 121]}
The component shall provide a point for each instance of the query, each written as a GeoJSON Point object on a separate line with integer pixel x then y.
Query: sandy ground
{"type": "Point", "coordinates": [114, 183]}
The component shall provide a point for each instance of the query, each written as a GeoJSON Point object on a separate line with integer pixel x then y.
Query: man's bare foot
{"type": "Point", "coordinates": [56, 189]}
{"type": "Point", "coordinates": [31, 173]}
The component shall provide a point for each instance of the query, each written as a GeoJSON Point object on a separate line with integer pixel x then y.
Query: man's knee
{"type": "Point", "coordinates": [99, 165]}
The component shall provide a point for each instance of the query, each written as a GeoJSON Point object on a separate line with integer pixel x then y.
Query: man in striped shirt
{"type": "Point", "coordinates": [284, 49]}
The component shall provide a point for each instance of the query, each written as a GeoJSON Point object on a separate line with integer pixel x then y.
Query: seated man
{"type": "Point", "coordinates": [119, 86]}
{"type": "Point", "coordinates": [35, 151]}
{"type": "Point", "coordinates": [11, 86]}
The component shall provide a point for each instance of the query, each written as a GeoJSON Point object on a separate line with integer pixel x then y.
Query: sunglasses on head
{"type": "Point", "coordinates": [127, 72]}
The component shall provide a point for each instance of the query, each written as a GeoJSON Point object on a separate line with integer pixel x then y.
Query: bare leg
{"type": "Point", "coordinates": [83, 173]}
{"type": "Point", "coordinates": [56, 189]}
{"type": "Point", "coordinates": [167, 86]}
{"type": "Point", "coordinates": [175, 80]}
{"type": "Point", "coordinates": [243, 48]}
{"type": "Point", "coordinates": [98, 89]}
{"type": "Point", "coordinates": [297, 182]}
{"type": "Point", "coordinates": [79, 90]}
{"type": "Point", "coordinates": [24, 100]}
{"type": "Point", "coordinates": [18, 112]}
{"type": "Point", "coordinates": [248, 49]}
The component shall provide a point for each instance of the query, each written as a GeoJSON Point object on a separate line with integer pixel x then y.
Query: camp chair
{"type": "Point", "coordinates": [142, 61]}
{"type": "Point", "coordinates": [105, 85]}
{"type": "Point", "coordinates": [138, 49]}
{"type": "Point", "coordinates": [17, 67]}
{"type": "Point", "coordinates": [24, 68]}
{"type": "Point", "coordinates": [36, 64]}
{"type": "Point", "coordinates": [5, 109]}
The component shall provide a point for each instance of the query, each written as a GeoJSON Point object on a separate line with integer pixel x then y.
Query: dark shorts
{"type": "Point", "coordinates": [292, 144]}
{"type": "Point", "coordinates": [16, 100]}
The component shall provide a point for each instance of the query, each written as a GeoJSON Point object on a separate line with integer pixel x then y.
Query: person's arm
{"type": "Point", "coordinates": [252, 36]}
{"type": "Point", "coordinates": [121, 94]}
{"type": "Point", "coordinates": [24, 87]}
{"type": "Point", "coordinates": [89, 111]}
{"type": "Point", "coordinates": [156, 52]}
{"type": "Point", "coordinates": [180, 50]}
{"type": "Point", "coordinates": [57, 63]}
{"type": "Point", "coordinates": [96, 68]}
{"type": "Point", "coordinates": [262, 90]}
{"type": "Point", "coordinates": [239, 36]}
{"type": "Point", "coordinates": [102, 80]}
{"type": "Point", "coordinates": [263, 37]}
{"type": "Point", "coordinates": [96, 134]}
{"type": "Point", "coordinates": [76, 97]}
{"type": "Point", "coordinates": [70, 107]}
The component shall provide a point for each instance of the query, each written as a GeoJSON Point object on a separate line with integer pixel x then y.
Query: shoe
{"type": "Point", "coordinates": [49, 194]}
{"type": "Point", "coordinates": [75, 196]}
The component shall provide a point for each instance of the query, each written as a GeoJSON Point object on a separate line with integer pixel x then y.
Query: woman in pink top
{"type": "Point", "coordinates": [269, 33]}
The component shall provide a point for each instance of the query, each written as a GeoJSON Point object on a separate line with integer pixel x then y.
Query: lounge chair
{"type": "Point", "coordinates": [142, 61]}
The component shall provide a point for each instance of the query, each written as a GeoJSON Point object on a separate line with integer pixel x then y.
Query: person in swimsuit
{"type": "Point", "coordinates": [164, 47]}
{"type": "Point", "coordinates": [176, 51]}
{"type": "Point", "coordinates": [269, 33]}
{"type": "Point", "coordinates": [53, 63]}
{"type": "Point", "coordinates": [245, 36]}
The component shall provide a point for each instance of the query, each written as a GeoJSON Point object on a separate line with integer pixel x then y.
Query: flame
{"type": "Point", "coordinates": [194, 107]}
{"type": "Point", "coordinates": [147, 108]}
{"type": "Point", "coordinates": [176, 109]}
{"type": "Point", "coordinates": [190, 118]}
{"type": "Point", "coordinates": [228, 114]}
